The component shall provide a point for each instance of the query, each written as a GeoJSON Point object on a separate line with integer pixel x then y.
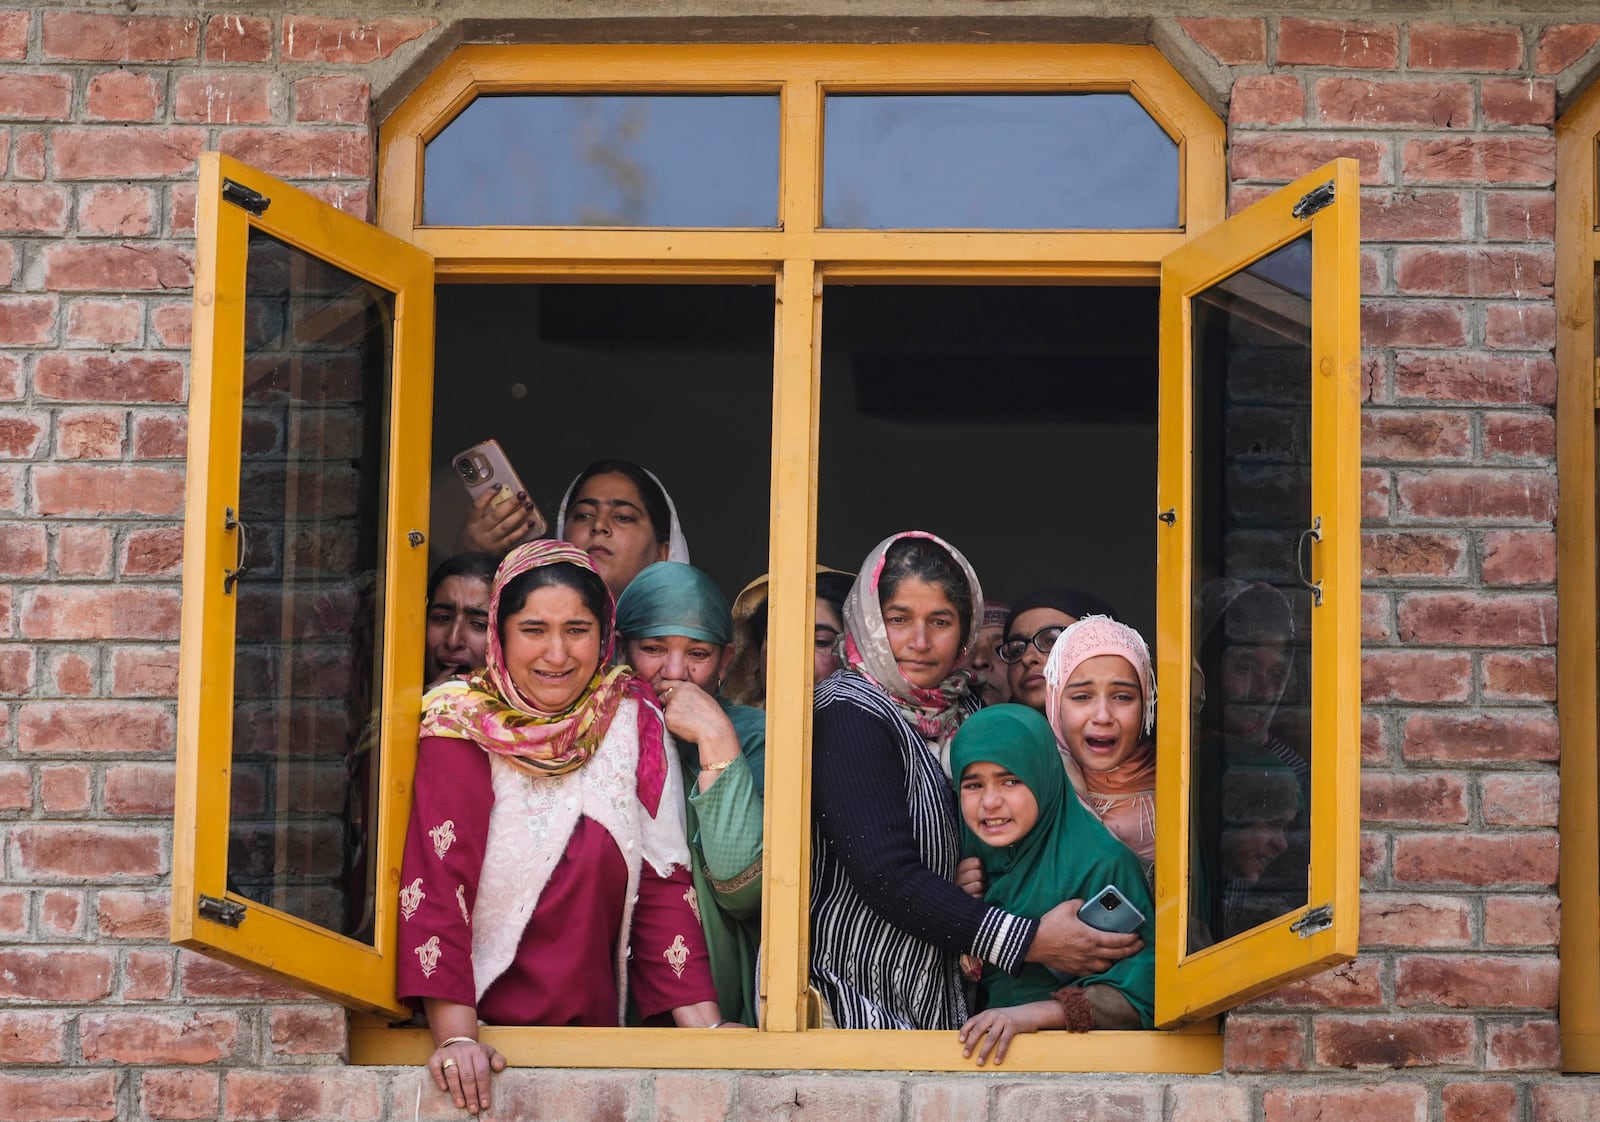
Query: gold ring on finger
{"type": "Point", "coordinates": [447, 1065]}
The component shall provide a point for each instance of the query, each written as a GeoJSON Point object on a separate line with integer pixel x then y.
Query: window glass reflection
{"type": "Point", "coordinates": [997, 161]}
{"type": "Point", "coordinates": [592, 160]}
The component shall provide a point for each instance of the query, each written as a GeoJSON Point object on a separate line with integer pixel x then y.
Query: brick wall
{"type": "Point", "coordinates": [1449, 1013]}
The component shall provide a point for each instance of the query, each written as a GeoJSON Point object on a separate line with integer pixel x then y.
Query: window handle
{"type": "Point", "coordinates": [230, 577]}
{"type": "Point", "coordinates": [1314, 532]}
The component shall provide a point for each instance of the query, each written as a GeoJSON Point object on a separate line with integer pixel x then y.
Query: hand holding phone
{"type": "Point", "coordinates": [484, 469]}
{"type": "Point", "coordinates": [1110, 910]}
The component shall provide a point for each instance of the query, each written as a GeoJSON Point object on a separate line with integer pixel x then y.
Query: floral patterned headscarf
{"type": "Point", "coordinates": [489, 710]}
{"type": "Point", "coordinates": [934, 712]}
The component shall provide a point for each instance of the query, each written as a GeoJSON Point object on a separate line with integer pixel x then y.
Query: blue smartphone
{"type": "Point", "coordinates": [1110, 910]}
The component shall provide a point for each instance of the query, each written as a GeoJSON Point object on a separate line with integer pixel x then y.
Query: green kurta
{"type": "Point", "coordinates": [724, 824]}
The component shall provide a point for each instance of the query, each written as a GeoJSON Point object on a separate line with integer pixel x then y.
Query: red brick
{"type": "Point", "coordinates": [133, 915]}
{"type": "Point", "coordinates": [1500, 160]}
{"type": "Point", "coordinates": [208, 977]}
{"type": "Point", "coordinates": [1386, 103]}
{"type": "Point", "coordinates": [60, 1098]}
{"type": "Point", "coordinates": [223, 97]}
{"type": "Point", "coordinates": [321, 39]}
{"type": "Point", "coordinates": [831, 1098]}
{"type": "Point", "coordinates": [1562, 44]}
{"type": "Point", "coordinates": [351, 1094]}
{"type": "Point", "coordinates": [157, 552]}
{"type": "Point", "coordinates": [1412, 323]}
{"type": "Point", "coordinates": [123, 212]}
{"type": "Point", "coordinates": [21, 438]}
{"type": "Point", "coordinates": [1480, 738]}
{"type": "Point", "coordinates": [99, 614]}
{"type": "Point", "coordinates": [54, 974]}
{"type": "Point", "coordinates": [64, 789]}
{"type": "Point", "coordinates": [17, 666]}
{"type": "Point", "coordinates": [60, 913]}
{"type": "Point", "coordinates": [91, 434]}
{"type": "Point", "coordinates": [72, 674]}
{"type": "Point", "coordinates": [158, 1038]}
{"type": "Point", "coordinates": [1390, 919]}
{"type": "Point", "coordinates": [13, 912]}
{"type": "Point", "coordinates": [97, 490]}
{"type": "Point", "coordinates": [181, 208]}
{"type": "Point", "coordinates": [1519, 273]}
{"type": "Point", "coordinates": [1407, 555]}
{"type": "Point", "coordinates": [49, 852]}
{"type": "Point", "coordinates": [1374, 739]}
{"type": "Point", "coordinates": [696, 1097]}
{"type": "Point", "coordinates": [104, 323]}
{"type": "Point", "coordinates": [355, 199]}
{"type": "Point", "coordinates": [1364, 1043]}
{"type": "Point", "coordinates": [11, 490]}
{"type": "Point", "coordinates": [1232, 42]}
{"type": "Point", "coordinates": [1317, 42]}
{"type": "Point", "coordinates": [307, 1030]}
{"type": "Point", "coordinates": [1475, 377]}
{"type": "Point", "coordinates": [96, 377]}
{"type": "Point", "coordinates": [32, 1038]}
{"type": "Point", "coordinates": [1376, 621]}
{"type": "Point", "coordinates": [1266, 99]}
{"type": "Point", "coordinates": [69, 728]}
{"type": "Point", "coordinates": [126, 152]}
{"type": "Point", "coordinates": [1473, 619]}
{"type": "Point", "coordinates": [1465, 46]}
{"type": "Point", "coordinates": [1518, 101]}
{"type": "Point", "coordinates": [1352, 985]}
{"type": "Point", "coordinates": [10, 378]}
{"type": "Point", "coordinates": [1415, 676]}
{"type": "Point", "coordinates": [1519, 436]}
{"type": "Point", "coordinates": [123, 95]}
{"type": "Point", "coordinates": [1478, 495]}
{"type": "Point", "coordinates": [148, 975]}
{"type": "Point", "coordinates": [1513, 557]}
{"type": "Point", "coordinates": [306, 153]}
{"type": "Point", "coordinates": [1518, 677]}
{"type": "Point", "coordinates": [1390, 1101]}
{"type": "Point", "coordinates": [139, 789]}
{"type": "Point", "coordinates": [1521, 326]}
{"type": "Point", "coordinates": [34, 209]}
{"type": "Point", "coordinates": [336, 98]}
{"type": "Point", "coordinates": [27, 321]}
{"type": "Point", "coordinates": [1279, 157]}
{"type": "Point", "coordinates": [173, 323]}
{"type": "Point", "coordinates": [238, 39]}
{"type": "Point", "coordinates": [144, 671]}
{"type": "Point", "coordinates": [1257, 1043]}
{"type": "Point", "coordinates": [16, 790]}
{"type": "Point", "coordinates": [1523, 1046]}
{"type": "Point", "coordinates": [27, 156]}
{"type": "Point", "coordinates": [1422, 436]}
{"type": "Point", "coordinates": [119, 38]}
{"type": "Point", "coordinates": [182, 1095]}
{"type": "Point", "coordinates": [116, 268]}
{"type": "Point", "coordinates": [35, 97]}
{"type": "Point", "coordinates": [160, 436]}
{"type": "Point", "coordinates": [1406, 214]}
{"type": "Point", "coordinates": [1520, 800]}
{"type": "Point", "coordinates": [1476, 859]}
{"type": "Point", "coordinates": [23, 551]}
{"type": "Point", "coordinates": [14, 34]}
{"type": "Point", "coordinates": [1480, 1102]}
{"type": "Point", "coordinates": [1478, 981]}
{"type": "Point", "coordinates": [1413, 799]}
{"type": "Point", "coordinates": [1522, 921]}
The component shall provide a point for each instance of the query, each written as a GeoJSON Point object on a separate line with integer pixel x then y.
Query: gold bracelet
{"type": "Point", "coordinates": [454, 1040]}
{"type": "Point", "coordinates": [717, 767]}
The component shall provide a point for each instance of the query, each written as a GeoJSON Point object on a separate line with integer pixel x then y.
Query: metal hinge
{"type": "Point", "coordinates": [240, 195]}
{"type": "Point", "coordinates": [1313, 201]}
{"type": "Point", "coordinates": [227, 912]}
{"type": "Point", "coordinates": [1317, 919]}
{"type": "Point", "coordinates": [1169, 516]}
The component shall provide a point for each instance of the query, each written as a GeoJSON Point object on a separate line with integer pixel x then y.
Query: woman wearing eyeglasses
{"type": "Point", "coordinates": [1031, 630]}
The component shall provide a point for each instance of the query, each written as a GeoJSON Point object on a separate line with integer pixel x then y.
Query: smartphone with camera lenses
{"type": "Point", "coordinates": [485, 467]}
{"type": "Point", "coordinates": [1110, 910]}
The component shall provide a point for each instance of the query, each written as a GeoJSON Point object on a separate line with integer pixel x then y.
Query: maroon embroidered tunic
{"type": "Point", "coordinates": [564, 970]}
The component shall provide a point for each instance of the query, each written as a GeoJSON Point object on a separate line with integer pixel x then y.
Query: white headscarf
{"type": "Point", "coordinates": [677, 545]}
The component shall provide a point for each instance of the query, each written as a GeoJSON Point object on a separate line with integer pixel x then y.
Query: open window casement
{"type": "Point", "coordinates": [302, 587]}
{"type": "Point", "coordinates": [1259, 572]}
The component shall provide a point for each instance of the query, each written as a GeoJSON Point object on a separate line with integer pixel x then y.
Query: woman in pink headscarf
{"type": "Point", "coordinates": [1101, 701]}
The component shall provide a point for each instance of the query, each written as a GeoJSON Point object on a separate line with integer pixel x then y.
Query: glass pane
{"type": "Point", "coordinates": [306, 715]}
{"type": "Point", "coordinates": [1251, 737]}
{"type": "Point", "coordinates": [590, 160]}
{"type": "Point", "coordinates": [997, 161]}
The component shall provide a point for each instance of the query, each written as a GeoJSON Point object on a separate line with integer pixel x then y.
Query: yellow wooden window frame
{"type": "Point", "coordinates": [1208, 981]}
{"type": "Point", "coordinates": [1577, 397]}
{"type": "Point", "coordinates": [270, 941]}
{"type": "Point", "coordinates": [798, 258]}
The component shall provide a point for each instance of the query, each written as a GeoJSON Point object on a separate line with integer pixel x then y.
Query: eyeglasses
{"type": "Point", "coordinates": [1043, 639]}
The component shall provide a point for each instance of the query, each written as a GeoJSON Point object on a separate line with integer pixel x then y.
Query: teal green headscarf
{"type": "Point", "coordinates": [674, 598]}
{"type": "Point", "coordinates": [1068, 855]}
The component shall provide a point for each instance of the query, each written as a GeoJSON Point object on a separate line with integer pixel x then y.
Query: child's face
{"type": "Point", "coordinates": [1102, 712]}
{"type": "Point", "coordinates": [997, 806]}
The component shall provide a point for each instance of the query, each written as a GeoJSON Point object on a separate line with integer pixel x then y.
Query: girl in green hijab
{"type": "Point", "coordinates": [1039, 847]}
